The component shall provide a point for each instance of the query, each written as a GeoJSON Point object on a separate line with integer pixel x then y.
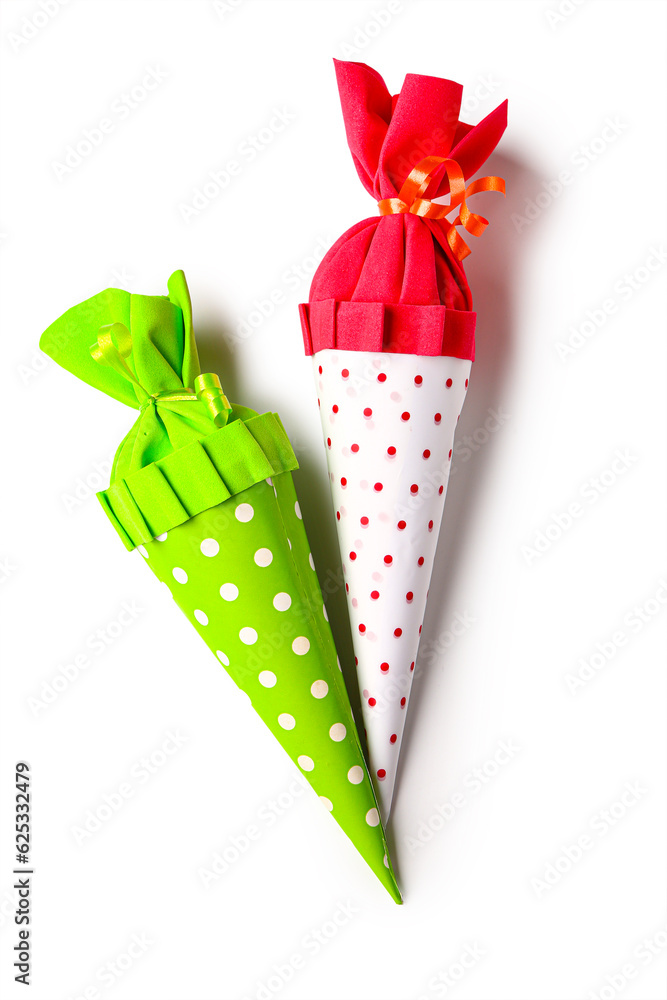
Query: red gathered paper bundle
{"type": "Point", "coordinates": [390, 326]}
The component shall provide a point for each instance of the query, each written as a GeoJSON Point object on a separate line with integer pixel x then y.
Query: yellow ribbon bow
{"type": "Point", "coordinates": [114, 345]}
{"type": "Point", "coordinates": [410, 199]}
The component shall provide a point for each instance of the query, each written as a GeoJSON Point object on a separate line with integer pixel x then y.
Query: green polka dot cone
{"type": "Point", "coordinates": [204, 490]}
{"type": "Point", "coordinates": [243, 575]}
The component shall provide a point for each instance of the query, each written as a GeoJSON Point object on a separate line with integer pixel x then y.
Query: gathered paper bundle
{"type": "Point", "coordinates": [204, 490]}
{"type": "Point", "coordinates": [390, 327]}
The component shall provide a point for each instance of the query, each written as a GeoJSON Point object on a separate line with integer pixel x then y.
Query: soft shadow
{"type": "Point", "coordinates": [494, 274]}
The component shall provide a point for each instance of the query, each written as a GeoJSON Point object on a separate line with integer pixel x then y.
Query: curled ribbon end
{"type": "Point", "coordinates": [209, 391]}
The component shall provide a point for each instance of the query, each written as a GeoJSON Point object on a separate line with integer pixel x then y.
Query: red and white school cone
{"type": "Point", "coordinates": [389, 422]}
{"type": "Point", "coordinates": [390, 326]}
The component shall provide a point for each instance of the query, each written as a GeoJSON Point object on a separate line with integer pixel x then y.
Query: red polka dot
{"type": "Point", "coordinates": [450, 453]}
{"type": "Point", "coordinates": [362, 629]}
{"type": "Point", "coordinates": [420, 629]}
{"type": "Point", "coordinates": [368, 412]}
{"type": "Point", "coordinates": [378, 487]}
{"type": "Point", "coordinates": [391, 450]}
{"type": "Point", "coordinates": [388, 560]}
{"type": "Point", "coordinates": [448, 383]}
{"type": "Point", "coordinates": [356, 662]}
{"type": "Point", "coordinates": [343, 481]}
{"type": "Point", "coordinates": [393, 738]}
{"type": "Point", "coordinates": [382, 774]}
{"type": "Point", "coordinates": [335, 408]}
{"type": "Point", "coordinates": [384, 667]}
{"type": "Point", "coordinates": [375, 594]}
{"type": "Point", "coordinates": [347, 587]}
{"type": "Point", "coordinates": [405, 415]}
{"type": "Point", "coordinates": [329, 442]}
{"type": "Point", "coordinates": [355, 448]}
{"type": "Point", "coordinates": [353, 556]}
{"type": "Point", "coordinates": [441, 490]}
{"type": "Point", "coordinates": [364, 521]}
{"type": "Point", "coordinates": [404, 701]}
{"type": "Point", "coordinates": [414, 488]}
{"type": "Point", "coordinates": [418, 380]}
{"type": "Point", "coordinates": [320, 369]}
{"type": "Point", "coordinates": [412, 665]}
{"type": "Point", "coordinates": [420, 561]}
{"type": "Point", "coordinates": [338, 515]}
{"type": "Point", "coordinates": [318, 403]}
{"type": "Point", "coordinates": [467, 380]}
{"type": "Point", "coordinates": [430, 525]}
{"type": "Point", "coordinates": [398, 632]}
{"type": "Point", "coordinates": [372, 702]}
{"type": "Point", "coordinates": [438, 418]}
{"type": "Point", "coordinates": [426, 453]}
{"type": "Point", "coordinates": [382, 377]}
{"type": "Point", "coordinates": [401, 525]}
{"type": "Point", "coordinates": [409, 596]}
{"type": "Point", "coordinates": [345, 373]}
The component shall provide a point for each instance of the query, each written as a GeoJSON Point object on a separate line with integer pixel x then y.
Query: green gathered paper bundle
{"type": "Point", "coordinates": [204, 490]}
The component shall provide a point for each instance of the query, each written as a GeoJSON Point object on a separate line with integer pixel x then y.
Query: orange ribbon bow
{"type": "Point", "coordinates": [410, 199]}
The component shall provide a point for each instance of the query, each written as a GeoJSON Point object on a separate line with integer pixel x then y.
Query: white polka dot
{"type": "Point", "coordinates": [289, 543]}
{"type": "Point", "coordinates": [338, 664]}
{"type": "Point", "coordinates": [282, 601]}
{"type": "Point", "coordinates": [305, 763]}
{"type": "Point", "coordinates": [209, 547]}
{"type": "Point", "coordinates": [267, 678]}
{"type": "Point", "coordinates": [301, 645]}
{"type": "Point", "coordinates": [385, 861]}
{"type": "Point", "coordinates": [311, 560]}
{"type": "Point", "coordinates": [162, 537]}
{"type": "Point", "coordinates": [263, 557]}
{"type": "Point", "coordinates": [320, 689]}
{"type": "Point", "coordinates": [286, 720]}
{"type": "Point", "coordinates": [297, 509]}
{"type": "Point", "coordinates": [229, 592]}
{"type": "Point", "coordinates": [201, 617]}
{"type": "Point", "coordinates": [143, 551]}
{"type": "Point", "coordinates": [372, 817]}
{"type": "Point", "coordinates": [269, 481]}
{"type": "Point", "coordinates": [327, 803]}
{"type": "Point", "coordinates": [338, 732]}
{"type": "Point", "coordinates": [244, 512]}
{"type": "Point", "coordinates": [248, 635]}
{"type": "Point", "coordinates": [179, 575]}
{"type": "Point", "coordinates": [355, 774]}
{"type": "Point", "coordinates": [222, 657]}
{"type": "Point", "coordinates": [324, 612]}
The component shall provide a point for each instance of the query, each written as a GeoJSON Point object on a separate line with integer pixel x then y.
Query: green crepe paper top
{"type": "Point", "coordinates": [189, 449]}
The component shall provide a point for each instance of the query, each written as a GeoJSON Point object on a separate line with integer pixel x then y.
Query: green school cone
{"type": "Point", "coordinates": [205, 491]}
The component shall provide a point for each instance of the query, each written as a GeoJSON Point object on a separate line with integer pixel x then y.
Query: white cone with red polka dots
{"type": "Point", "coordinates": [388, 422]}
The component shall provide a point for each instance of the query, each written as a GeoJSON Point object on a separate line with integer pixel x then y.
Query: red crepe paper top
{"type": "Point", "coordinates": [392, 282]}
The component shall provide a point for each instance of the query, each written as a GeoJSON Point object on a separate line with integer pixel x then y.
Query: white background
{"type": "Point", "coordinates": [115, 219]}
